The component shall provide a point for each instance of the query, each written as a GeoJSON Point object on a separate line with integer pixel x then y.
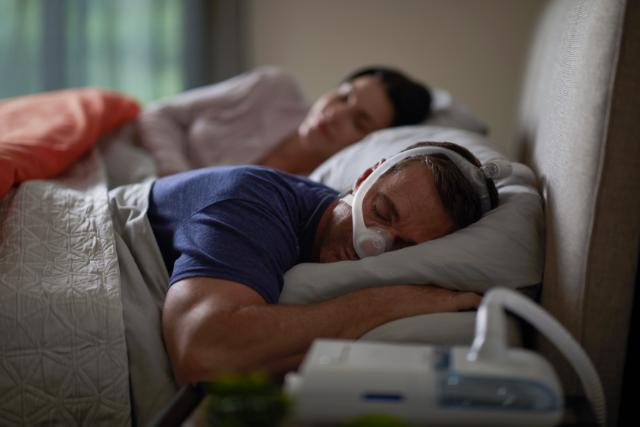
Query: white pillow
{"type": "Point", "coordinates": [448, 112]}
{"type": "Point", "coordinates": [504, 248]}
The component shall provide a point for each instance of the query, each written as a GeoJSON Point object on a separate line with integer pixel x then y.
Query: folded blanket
{"type": "Point", "coordinates": [42, 135]}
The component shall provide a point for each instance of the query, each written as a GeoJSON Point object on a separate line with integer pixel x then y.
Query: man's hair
{"type": "Point", "coordinates": [458, 196]}
{"type": "Point", "coordinates": [411, 100]}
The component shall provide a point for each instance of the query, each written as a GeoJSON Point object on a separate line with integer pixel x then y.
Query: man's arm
{"type": "Point", "coordinates": [213, 325]}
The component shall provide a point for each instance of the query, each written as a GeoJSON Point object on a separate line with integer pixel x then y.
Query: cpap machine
{"type": "Point", "coordinates": [487, 384]}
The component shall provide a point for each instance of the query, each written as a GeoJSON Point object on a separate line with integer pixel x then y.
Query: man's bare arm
{"type": "Point", "coordinates": [213, 325]}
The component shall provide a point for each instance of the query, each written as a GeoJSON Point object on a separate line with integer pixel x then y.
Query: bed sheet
{"type": "Point", "coordinates": [63, 350]}
{"type": "Point", "coordinates": [143, 281]}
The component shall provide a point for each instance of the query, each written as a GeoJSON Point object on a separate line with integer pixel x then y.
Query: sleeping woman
{"type": "Point", "coordinates": [261, 117]}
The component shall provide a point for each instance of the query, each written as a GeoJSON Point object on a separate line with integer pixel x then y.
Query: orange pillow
{"type": "Point", "coordinates": [42, 134]}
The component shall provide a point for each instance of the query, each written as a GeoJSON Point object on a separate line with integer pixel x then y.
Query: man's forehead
{"type": "Point", "coordinates": [409, 185]}
{"type": "Point", "coordinates": [421, 214]}
{"type": "Point", "coordinates": [411, 172]}
{"type": "Point", "coordinates": [414, 180]}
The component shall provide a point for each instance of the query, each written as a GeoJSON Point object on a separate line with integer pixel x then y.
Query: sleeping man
{"type": "Point", "coordinates": [228, 235]}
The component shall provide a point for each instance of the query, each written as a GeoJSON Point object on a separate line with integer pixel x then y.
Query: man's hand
{"type": "Point", "coordinates": [425, 299]}
{"type": "Point", "coordinates": [213, 325]}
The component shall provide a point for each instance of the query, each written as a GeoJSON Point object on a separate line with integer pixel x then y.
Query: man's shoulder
{"type": "Point", "coordinates": [262, 176]}
{"type": "Point", "coordinates": [250, 186]}
{"type": "Point", "coordinates": [243, 175]}
{"type": "Point", "coordinates": [278, 191]}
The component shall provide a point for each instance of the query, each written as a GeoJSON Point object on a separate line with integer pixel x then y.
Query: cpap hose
{"type": "Point", "coordinates": [490, 340]}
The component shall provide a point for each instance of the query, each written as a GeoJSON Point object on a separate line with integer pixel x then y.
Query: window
{"type": "Point", "coordinates": [132, 46]}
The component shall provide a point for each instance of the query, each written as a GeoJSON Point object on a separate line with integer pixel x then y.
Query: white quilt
{"type": "Point", "coordinates": [63, 356]}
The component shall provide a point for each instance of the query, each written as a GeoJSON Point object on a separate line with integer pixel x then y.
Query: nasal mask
{"type": "Point", "coordinates": [372, 241]}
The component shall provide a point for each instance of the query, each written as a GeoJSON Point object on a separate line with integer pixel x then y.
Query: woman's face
{"type": "Point", "coordinates": [345, 115]}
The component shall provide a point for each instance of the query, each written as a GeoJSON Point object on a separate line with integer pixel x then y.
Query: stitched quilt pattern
{"type": "Point", "coordinates": [63, 357]}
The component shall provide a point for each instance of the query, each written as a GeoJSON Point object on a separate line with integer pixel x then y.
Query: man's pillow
{"type": "Point", "coordinates": [42, 134]}
{"type": "Point", "coordinates": [504, 248]}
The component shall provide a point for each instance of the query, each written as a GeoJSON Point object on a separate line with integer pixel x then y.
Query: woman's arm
{"type": "Point", "coordinates": [162, 132]}
{"type": "Point", "coordinates": [213, 325]}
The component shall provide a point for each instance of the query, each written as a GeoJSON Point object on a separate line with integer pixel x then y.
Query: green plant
{"type": "Point", "coordinates": [235, 400]}
{"type": "Point", "coordinates": [376, 420]}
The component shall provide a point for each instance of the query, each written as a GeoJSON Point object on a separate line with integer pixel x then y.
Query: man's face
{"type": "Point", "coordinates": [405, 203]}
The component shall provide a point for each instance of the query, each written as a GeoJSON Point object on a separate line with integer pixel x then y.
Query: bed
{"type": "Point", "coordinates": [83, 281]}
{"type": "Point", "coordinates": [74, 346]}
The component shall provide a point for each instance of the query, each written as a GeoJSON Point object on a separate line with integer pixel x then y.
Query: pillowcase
{"type": "Point", "coordinates": [42, 134]}
{"type": "Point", "coordinates": [503, 248]}
{"type": "Point", "coordinates": [448, 112]}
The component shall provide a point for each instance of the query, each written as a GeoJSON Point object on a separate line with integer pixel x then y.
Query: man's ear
{"type": "Point", "coordinates": [366, 173]}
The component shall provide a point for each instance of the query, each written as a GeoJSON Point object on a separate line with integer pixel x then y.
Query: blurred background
{"type": "Point", "coordinates": [152, 49]}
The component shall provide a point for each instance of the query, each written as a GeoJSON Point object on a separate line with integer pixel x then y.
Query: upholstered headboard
{"type": "Point", "coordinates": [580, 131]}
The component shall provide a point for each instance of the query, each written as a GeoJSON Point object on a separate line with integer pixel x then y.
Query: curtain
{"type": "Point", "coordinates": [146, 48]}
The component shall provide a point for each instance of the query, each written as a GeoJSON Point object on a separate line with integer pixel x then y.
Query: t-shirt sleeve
{"type": "Point", "coordinates": [236, 240]}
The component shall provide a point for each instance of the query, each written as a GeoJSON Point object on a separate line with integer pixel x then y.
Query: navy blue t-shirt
{"type": "Point", "coordinates": [247, 224]}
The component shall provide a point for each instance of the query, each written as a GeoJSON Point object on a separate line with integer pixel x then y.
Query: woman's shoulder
{"type": "Point", "coordinates": [274, 76]}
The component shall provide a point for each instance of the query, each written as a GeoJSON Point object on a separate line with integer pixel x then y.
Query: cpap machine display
{"type": "Point", "coordinates": [372, 241]}
{"type": "Point", "coordinates": [486, 384]}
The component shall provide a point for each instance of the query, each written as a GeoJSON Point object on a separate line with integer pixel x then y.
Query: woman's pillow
{"type": "Point", "coordinates": [448, 112]}
{"type": "Point", "coordinates": [42, 134]}
{"type": "Point", "coordinates": [504, 248]}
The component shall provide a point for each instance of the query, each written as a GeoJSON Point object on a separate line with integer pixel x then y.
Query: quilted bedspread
{"type": "Point", "coordinates": [63, 356]}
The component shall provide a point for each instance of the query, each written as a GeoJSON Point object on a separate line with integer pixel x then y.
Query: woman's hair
{"type": "Point", "coordinates": [411, 100]}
